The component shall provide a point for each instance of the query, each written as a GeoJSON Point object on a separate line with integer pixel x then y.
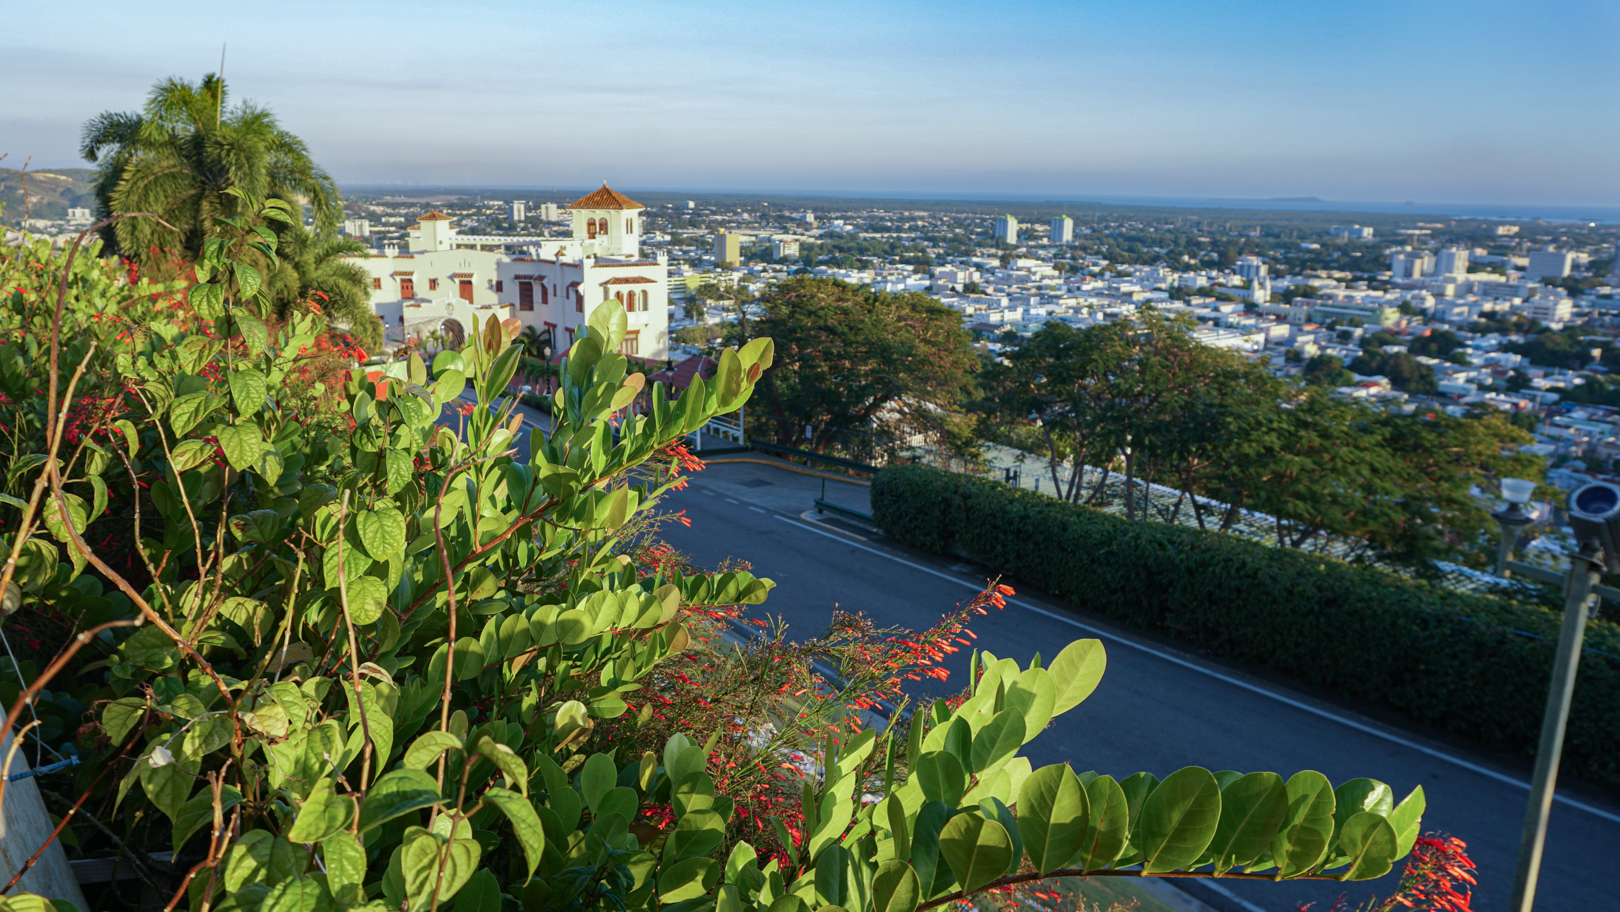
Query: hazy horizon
{"type": "Point", "coordinates": [1440, 103]}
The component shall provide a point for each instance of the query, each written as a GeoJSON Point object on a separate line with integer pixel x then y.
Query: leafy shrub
{"type": "Point", "coordinates": [1454, 660]}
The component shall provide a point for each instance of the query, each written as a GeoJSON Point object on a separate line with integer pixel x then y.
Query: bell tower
{"type": "Point", "coordinates": [608, 223]}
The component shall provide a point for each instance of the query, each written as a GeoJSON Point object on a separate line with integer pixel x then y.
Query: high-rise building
{"type": "Point", "coordinates": [519, 210]}
{"type": "Point", "coordinates": [1548, 264]}
{"type": "Point", "coordinates": [549, 212]}
{"type": "Point", "coordinates": [1351, 232]}
{"type": "Point", "coordinates": [809, 217]}
{"type": "Point", "coordinates": [1252, 267]}
{"type": "Point", "coordinates": [784, 247]}
{"type": "Point", "coordinates": [1062, 230]}
{"type": "Point", "coordinates": [727, 248]}
{"type": "Point", "coordinates": [691, 205]}
{"type": "Point", "coordinates": [357, 227]}
{"type": "Point", "coordinates": [1006, 229]}
{"type": "Point", "coordinates": [1452, 261]}
{"type": "Point", "coordinates": [1407, 263]}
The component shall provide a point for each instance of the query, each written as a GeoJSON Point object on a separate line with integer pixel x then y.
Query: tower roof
{"type": "Point", "coordinates": [433, 216]}
{"type": "Point", "coordinates": [605, 198]}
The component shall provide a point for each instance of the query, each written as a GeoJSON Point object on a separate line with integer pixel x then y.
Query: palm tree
{"type": "Point", "coordinates": [179, 156]}
{"type": "Point", "coordinates": [318, 269]}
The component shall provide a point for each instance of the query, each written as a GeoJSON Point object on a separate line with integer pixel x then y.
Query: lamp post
{"type": "Point", "coordinates": [1595, 515]}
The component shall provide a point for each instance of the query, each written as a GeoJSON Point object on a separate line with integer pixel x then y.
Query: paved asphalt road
{"type": "Point", "coordinates": [1156, 709]}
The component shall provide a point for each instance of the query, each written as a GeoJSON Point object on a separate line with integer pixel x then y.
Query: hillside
{"type": "Point", "coordinates": [50, 192]}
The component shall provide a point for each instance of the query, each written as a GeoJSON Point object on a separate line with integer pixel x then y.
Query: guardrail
{"type": "Point", "coordinates": [823, 506]}
{"type": "Point", "coordinates": [815, 457]}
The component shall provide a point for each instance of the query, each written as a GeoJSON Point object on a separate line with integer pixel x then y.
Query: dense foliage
{"type": "Point", "coordinates": [361, 655]}
{"type": "Point", "coordinates": [1448, 659]}
{"type": "Point", "coordinates": [1144, 399]}
{"type": "Point", "coordinates": [853, 359]}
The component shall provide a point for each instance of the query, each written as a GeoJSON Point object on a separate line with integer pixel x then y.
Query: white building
{"type": "Point", "coordinates": [1548, 264]}
{"type": "Point", "coordinates": [1407, 263]}
{"type": "Point", "coordinates": [1351, 232]}
{"type": "Point", "coordinates": [1452, 261]}
{"type": "Point", "coordinates": [1006, 229]}
{"type": "Point", "coordinates": [549, 213]}
{"type": "Point", "coordinates": [357, 227]}
{"type": "Point", "coordinates": [1062, 230]}
{"type": "Point", "coordinates": [79, 217]}
{"type": "Point", "coordinates": [1251, 267]}
{"type": "Point", "coordinates": [445, 283]}
{"type": "Point", "coordinates": [519, 210]}
{"type": "Point", "coordinates": [1552, 311]}
{"type": "Point", "coordinates": [784, 247]}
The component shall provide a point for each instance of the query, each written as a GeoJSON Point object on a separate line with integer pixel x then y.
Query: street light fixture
{"type": "Point", "coordinates": [1594, 511]}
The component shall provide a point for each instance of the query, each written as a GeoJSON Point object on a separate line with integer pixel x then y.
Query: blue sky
{"type": "Point", "coordinates": [1370, 100]}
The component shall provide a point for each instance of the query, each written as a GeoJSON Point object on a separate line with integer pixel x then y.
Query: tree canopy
{"type": "Point", "coordinates": [188, 157]}
{"type": "Point", "coordinates": [853, 359]}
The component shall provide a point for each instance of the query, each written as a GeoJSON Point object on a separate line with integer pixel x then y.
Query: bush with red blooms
{"type": "Point", "coordinates": [1439, 865]}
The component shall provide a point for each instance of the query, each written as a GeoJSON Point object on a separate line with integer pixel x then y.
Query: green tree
{"type": "Point", "coordinates": [188, 158]}
{"type": "Point", "coordinates": [1327, 370]}
{"type": "Point", "coordinates": [1404, 371]}
{"type": "Point", "coordinates": [853, 359]}
{"type": "Point", "coordinates": [320, 270]}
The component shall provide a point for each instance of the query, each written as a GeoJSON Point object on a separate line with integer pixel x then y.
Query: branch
{"type": "Point", "coordinates": [1030, 876]}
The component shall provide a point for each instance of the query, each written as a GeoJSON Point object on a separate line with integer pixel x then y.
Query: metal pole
{"type": "Point", "coordinates": [1583, 574]}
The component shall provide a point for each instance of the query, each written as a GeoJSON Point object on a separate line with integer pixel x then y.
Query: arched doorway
{"type": "Point", "coordinates": [455, 335]}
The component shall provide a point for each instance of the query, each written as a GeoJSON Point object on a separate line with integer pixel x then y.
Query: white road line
{"type": "Point", "coordinates": [1441, 755]}
{"type": "Point", "coordinates": [729, 500]}
{"type": "Point", "coordinates": [707, 491]}
{"type": "Point", "coordinates": [756, 509]}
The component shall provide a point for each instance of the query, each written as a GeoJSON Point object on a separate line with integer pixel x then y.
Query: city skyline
{"type": "Point", "coordinates": [1433, 102]}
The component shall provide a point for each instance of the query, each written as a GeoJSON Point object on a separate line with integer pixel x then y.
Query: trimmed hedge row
{"type": "Point", "coordinates": [1446, 658]}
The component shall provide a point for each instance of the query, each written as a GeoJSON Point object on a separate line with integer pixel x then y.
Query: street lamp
{"type": "Point", "coordinates": [1512, 518]}
{"type": "Point", "coordinates": [1594, 512]}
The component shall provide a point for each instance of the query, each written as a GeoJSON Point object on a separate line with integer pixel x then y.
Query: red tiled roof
{"type": "Point", "coordinates": [434, 216]}
{"type": "Point", "coordinates": [404, 272]}
{"type": "Point", "coordinates": [461, 275]}
{"type": "Point", "coordinates": [604, 198]}
{"type": "Point", "coordinates": [630, 280]}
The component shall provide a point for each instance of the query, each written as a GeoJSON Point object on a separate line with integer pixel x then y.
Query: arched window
{"type": "Point", "coordinates": [545, 294]}
{"type": "Point", "coordinates": [629, 226]}
{"type": "Point", "coordinates": [590, 228]}
{"type": "Point", "coordinates": [644, 300]}
{"type": "Point", "coordinates": [630, 302]}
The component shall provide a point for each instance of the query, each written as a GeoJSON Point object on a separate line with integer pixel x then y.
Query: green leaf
{"type": "Point", "coordinates": [1356, 796]}
{"type": "Point", "coordinates": [1076, 671]}
{"type": "Point", "coordinates": [941, 777]}
{"type": "Point", "coordinates": [507, 761]}
{"type": "Point", "coordinates": [249, 390]}
{"type": "Point", "coordinates": [120, 716]}
{"type": "Point", "coordinates": [687, 879]}
{"type": "Point", "coordinates": [1178, 820]}
{"type": "Point", "coordinates": [978, 850]}
{"type": "Point", "coordinates": [260, 857]}
{"type": "Point", "coordinates": [168, 786]}
{"type": "Point", "coordinates": [426, 749]}
{"type": "Point", "coordinates": [1303, 839]}
{"type": "Point", "coordinates": [248, 280]}
{"type": "Point", "coordinates": [301, 894]}
{"type": "Point", "coordinates": [345, 860]}
{"type": "Point", "coordinates": [1107, 823]}
{"type": "Point", "coordinates": [186, 411]}
{"type": "Point", "coordinates": [425, 862]}
{"type": "Point", "coordinates": [1253, 808]}
{"type": "Point", "coordinates": [1370, 843]}
{"type": "Point", "coordinates": [368, 596]}
{"type": "Point", "coordinates": [832, 878]}
{"type": "Point", "coordinates": [481, 894]}
{"type": "Point", "coordinates": [997, 741]}
{"type": "Point", "coordinates": [1052, 816]}
{"type": "Point", "coordinates": [382, 533]}
{"type": "Point", "coordinates": [597, 778]}
{"type": "Point", "coordinates": [525, 823]}
{"type": "Point", "coordinates": [895, 887]}
{"type": "Point", "coordinates": [1033, 693]}
{"type": "Point", "coordinates": [323, 813]}
{"type": "Point", "coordinates": [396, 793]}
{"type": "Point", "coordinates": [1407, 819]}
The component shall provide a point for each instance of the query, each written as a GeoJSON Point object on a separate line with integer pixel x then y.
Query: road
{"type": "Point", "coordinates": [1157, 709]}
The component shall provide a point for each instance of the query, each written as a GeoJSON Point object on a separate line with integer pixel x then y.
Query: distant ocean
{"type": "Point", "coordinates": [1504, 211]}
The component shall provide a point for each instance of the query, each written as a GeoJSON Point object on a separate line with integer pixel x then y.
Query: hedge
{"type": "Point", "coordinates": [1454, 660]}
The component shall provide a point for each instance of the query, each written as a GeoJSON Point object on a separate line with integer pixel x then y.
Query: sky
{"type": "Point", "coordinates": [1477, 102]}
